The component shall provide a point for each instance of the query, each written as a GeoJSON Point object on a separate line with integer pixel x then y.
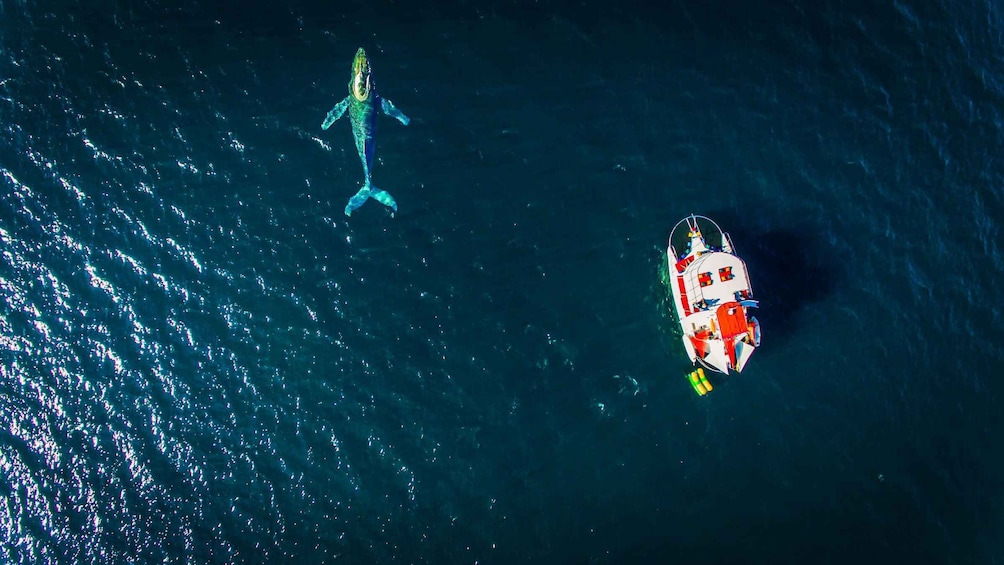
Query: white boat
{"type": "Point", "coordinates": [712, 295]}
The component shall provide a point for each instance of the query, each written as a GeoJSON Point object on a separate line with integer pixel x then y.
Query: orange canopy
{"type": "Point", "coordinates": [731, 319]}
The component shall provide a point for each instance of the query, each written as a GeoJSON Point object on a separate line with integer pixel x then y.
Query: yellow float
{"type": "Point", "coordinates": [700, 382]}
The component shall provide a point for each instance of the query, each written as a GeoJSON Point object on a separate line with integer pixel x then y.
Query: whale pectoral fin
{"type": "Point", "coordinates": [337, 112]}
{"type": "Point", "coordinates": [388, 108]}
{"type": "Point", "coordinates": [358, 200]}
{"type": "Point", "coordinates": [384, 197]}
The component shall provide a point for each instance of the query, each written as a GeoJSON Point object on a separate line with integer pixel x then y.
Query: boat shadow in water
{"type": "Point", "coordinates": [786, 270]}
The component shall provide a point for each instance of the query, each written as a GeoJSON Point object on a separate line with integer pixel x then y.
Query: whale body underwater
{"type": "Point", "coordinates": [361, 104]}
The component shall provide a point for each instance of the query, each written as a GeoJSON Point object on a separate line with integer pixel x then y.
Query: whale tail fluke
{"type": "Point", "coordinates": [365, 193]}
{"type": "Point", "coordinates": [383, 197]}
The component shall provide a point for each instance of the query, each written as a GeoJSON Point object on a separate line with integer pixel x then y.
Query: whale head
{"type": "Point", "coordinates": [362, 81]}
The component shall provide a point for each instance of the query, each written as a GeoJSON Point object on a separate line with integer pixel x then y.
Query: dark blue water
{"type": "Point", "coordinates": [203, 361]}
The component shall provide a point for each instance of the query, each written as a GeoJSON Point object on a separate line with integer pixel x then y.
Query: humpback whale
{"type": "Point", "coordinates": [362, 103]}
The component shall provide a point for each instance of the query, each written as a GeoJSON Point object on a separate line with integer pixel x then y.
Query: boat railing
{"type": "Point", "coordinates": [677, 236]}
{"type": "Point", "coordinates": [730, 247]}
{"type": "Point", "coordinates": [697, 217]}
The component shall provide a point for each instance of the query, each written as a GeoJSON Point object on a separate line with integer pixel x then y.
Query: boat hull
{"type": "Point", "coordinates": [712, 297]}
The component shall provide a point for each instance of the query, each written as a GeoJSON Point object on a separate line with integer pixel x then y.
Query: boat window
{"type": "Point", "coordinates": [725, 274]}
{"type": "Point", "coordinates": [704, 279]}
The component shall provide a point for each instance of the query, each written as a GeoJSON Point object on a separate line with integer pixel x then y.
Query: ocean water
{"type": "Point", "coordinates": [203, 361]}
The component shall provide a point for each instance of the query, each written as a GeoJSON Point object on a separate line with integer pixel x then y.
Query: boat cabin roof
{"type": "Point", "coordinates": [716, 278]}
